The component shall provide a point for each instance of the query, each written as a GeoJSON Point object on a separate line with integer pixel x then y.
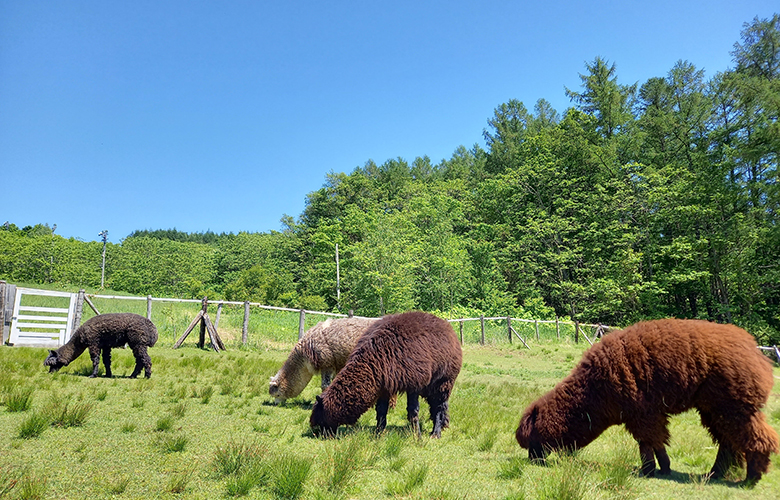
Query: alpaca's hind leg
{"type": "Point", "coordinates": [94, 353]}
{"type": "Point", "coordinates": [413, 411]}
{"type": "Point", "coordinates": [382, 404]}
{"type": "Point", "coordinates": [664, 464]}
{"type": "Point", "coordinates": [107, 361]}
{"type": "Point", "coordinates": [727, 456]}
{"type": "Point", "coordinates": [725, 459]}
{"type": "Point", "coordinates": [142, 360]}
{"type": "Point", "coordinates": [647, 454]}
{"type": "Point", "coordinates": [440, 417]}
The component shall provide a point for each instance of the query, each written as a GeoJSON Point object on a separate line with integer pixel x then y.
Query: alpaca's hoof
{"type": "Point", "coordinates": [92, 376]}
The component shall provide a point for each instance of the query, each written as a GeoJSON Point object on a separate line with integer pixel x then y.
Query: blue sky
{"type": "Point", "coordinates": [224, 115]}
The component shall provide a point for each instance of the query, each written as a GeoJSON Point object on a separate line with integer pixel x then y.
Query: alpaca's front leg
{"type": "Point", "coordinates": [382, 404]}
{"type": "Point", "coordinates": [94, 353]}
{"type": "Point", "coordinates": [107, 361]}
{"type": "Point", "coordinates": [327, 377]}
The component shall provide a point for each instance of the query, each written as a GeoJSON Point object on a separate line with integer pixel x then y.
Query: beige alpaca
{"type": "Point", "coordinates": [324, 348]}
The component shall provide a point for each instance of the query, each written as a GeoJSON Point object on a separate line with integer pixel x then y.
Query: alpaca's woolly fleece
{"type": "Point", "coordinates": [414, 352]}
{"type": "Point", "coordinates": [324, 348]}
{"type": "Point", "coordinates": [651, 370]}
{"type": "Point", "coordinates": [103, 332]}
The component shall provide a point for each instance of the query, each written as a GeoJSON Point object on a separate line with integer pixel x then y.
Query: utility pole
{"type": "Point", "coordinates": [338, 280]}
{"type": "Point", "coordinates": [103, 234]}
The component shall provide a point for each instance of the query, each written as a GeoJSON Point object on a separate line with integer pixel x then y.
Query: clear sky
{"type": "Point", "coordinates": [224, 115]}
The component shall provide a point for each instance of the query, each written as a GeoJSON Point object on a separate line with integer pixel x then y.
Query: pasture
{"type": "Point", "coordinates": [204, 427]}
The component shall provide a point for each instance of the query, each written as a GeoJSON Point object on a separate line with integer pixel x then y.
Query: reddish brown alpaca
{"type": "Point", "coordinates": [649, 371]}
{"type": "Point", "coordinates": [415, 352]}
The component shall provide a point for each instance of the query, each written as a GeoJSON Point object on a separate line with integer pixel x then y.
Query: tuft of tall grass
{"type": "Point", "coordinates": [239, 485]}
{"type": "Point", "coordinates": [164, 424]}
{"type": "Point", "coordinates": [8, 481]}
{"type": "Point", "coordinates": [19, 399]}
{"type": "Point", "coordinates": [512, 468]}
{"type": "Point", "coordinates": [410, 479]}
{"type": "Point", "coordinates": [172, 444]}
{"type": "Point", "coordinates": [565, 482]}
{"type": "Point", "coordinates": [235, 457]}
{"type": "Point", "coordinates": [288, 475]}
{"type": "Point", "coordinates": [34, 425]}
{"type": "Point", "coordinates": [67, 414]}
{"type": "Point", "coordinates": [118, 484]}
{"type": "Point", "coordinates": [347, 458]}
{"type": "Point", "coordinates": [32, 486]}
{"type": "Point", "coordinates": [177, 484]}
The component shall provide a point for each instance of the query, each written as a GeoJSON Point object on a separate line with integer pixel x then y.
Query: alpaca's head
{"type": "Point", "coordinates": [54, 362]}
{"type": "Point", "coordinates": [275, 391]}
{"type": "Point", "coordinates": [292, 378]}
{"type": "Point", "coordinates": [319, 421]}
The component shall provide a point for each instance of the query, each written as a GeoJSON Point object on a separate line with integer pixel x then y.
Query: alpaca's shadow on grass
{"type": "Point", "coordinates": [702, 479]}
{"type": "Point", "coordinates": [290, 404]}
{"type": "Point", "coordinates": [348, 430]}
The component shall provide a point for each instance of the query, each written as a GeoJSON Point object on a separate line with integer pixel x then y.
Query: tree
{"type": "Point", "coordinates": [604, 98]}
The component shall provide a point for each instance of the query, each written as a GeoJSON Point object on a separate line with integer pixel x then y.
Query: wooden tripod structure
{"type": "Point", "coordinates": [205, 325]}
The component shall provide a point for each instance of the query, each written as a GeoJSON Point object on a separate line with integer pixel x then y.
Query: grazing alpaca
{"type": "Point", "coordinates": [414, 352]}
{"type": "Point", "coordinates": [103, 332]}
{"type": "Point", "coordinates": [649, 371]}
{"type": "Point", "coordinates": [324, 348]}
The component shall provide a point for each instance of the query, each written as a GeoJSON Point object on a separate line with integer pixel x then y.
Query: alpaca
{"type": "Point", "coordinates": [414, 352]}
{"type": "Point", "coordinates": [651, 370]}
{"type": "Point", "coordinates": [324, 348]}
{"type": "Point", "coordinates": [103, 332]}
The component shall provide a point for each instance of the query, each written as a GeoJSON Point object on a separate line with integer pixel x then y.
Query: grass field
{"type": "Point", "coordinates": [204, 427]}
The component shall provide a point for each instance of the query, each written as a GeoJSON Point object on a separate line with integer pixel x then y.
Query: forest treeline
{"type": "Point", "coordinates": [639, 201]}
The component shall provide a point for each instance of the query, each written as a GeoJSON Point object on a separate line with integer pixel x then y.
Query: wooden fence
{"type": "Point", "coordinates": [482, 330]}
{"type": "Point", "coordinates": [470, 330]}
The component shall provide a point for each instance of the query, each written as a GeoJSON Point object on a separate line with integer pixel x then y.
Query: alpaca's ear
{"type": "Point", "coordinates": [318, 398]}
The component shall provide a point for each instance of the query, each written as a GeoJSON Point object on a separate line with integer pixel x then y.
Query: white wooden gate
{"type": "Point", "coordinates": [38, 326]}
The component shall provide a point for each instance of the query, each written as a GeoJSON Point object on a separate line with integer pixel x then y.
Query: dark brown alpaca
{"type": "Point", "coordinates": [103, 332]}
{"type": "Point", "coordinates": [414, 352]}
{"type": "Point", "coordinates": [649, 371]}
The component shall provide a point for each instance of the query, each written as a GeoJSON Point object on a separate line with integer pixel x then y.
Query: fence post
{"type": "Point", "coordinates": [557, 328]}
{"type": "Point", "coordinates": [301, 324]}
{"type": "Point", "coordinates": [204, 305]}
{"type": "Point", "coordinates": [79, 310]}
{"type": "Point", "coordinates": [219, 313]}
{"type": "Point", "coordinates": [2, 312]}
{"type": "Point", "coordinates": [536, 325]}
{"type": "Point", "coordinates": [482, 326]}
{"type": "Point", "coordinates": [576, 332]}
{"type": "Point", "coordinates": [149, 307]}
{"type": "Point", "coordinates": [461, 331]}
{"type": "Point", "coordinates": [509, 328]}
{"type": "Point", "coordinates": [245, 328]}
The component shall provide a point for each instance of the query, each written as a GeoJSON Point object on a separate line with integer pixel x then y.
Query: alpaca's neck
{"type": "Point", "coordinates": [351, 395]}
{"type": "Point", "coordinates": [295, 374]}
{"type": "Point", "coordinates": [71, 350]}
{"type": "Point", "coordinates": [580, 402]}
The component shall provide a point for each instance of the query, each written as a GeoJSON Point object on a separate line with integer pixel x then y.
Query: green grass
{"type": "Point", "coordinates": [205, 427]}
